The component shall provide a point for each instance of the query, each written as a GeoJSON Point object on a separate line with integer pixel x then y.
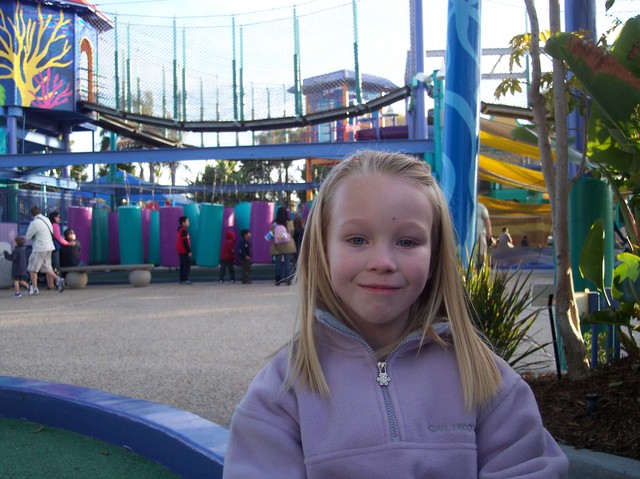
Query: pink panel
{"type": "Point", "coordinates": [114, 241]}
{"type": "Point", "coordinates": [79, 218]}
{"type": "Point", "coordinates": [262, 215]}
{"type": "Point", "coordinates": [169, 216]}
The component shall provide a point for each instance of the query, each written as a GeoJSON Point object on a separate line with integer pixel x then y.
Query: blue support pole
{"type": "Point", "coordinates": [461, 119]}
{"type": "Point", "coordinates": [579, 14]}
{"type": "Point", "coordinates": [437, 124]}
{"type": "Point", "coordinates": [356, 59]}
{"type": "Point", "coordinates": [419, 119]}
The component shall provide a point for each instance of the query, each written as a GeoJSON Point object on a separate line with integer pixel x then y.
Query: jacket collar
{"type": "Point", "coordinates": [328, 320]}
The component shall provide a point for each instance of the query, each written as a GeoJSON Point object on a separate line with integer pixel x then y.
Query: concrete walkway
{"type": "Point", "coordinates": [193, 347]}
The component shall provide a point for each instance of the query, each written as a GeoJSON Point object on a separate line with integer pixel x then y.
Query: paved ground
{"type": "Point", "coordinates": [193, 347]}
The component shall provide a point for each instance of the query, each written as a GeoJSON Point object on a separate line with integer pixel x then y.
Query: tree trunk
{"type": "Point", "coordinates": [558, 186]}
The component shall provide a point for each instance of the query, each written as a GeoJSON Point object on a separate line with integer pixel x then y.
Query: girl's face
{"type": "Point", "coordinates": [379, 251]}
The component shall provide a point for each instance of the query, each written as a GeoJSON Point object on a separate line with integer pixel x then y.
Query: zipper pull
{"type": "Point", "coordinates": [383, 378]}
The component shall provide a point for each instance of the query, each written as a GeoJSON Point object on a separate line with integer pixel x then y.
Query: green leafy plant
{"type": "Point", "coordinates": [625, 289]}
{"type": "Point", "coordinates": [500, 302]}
{"type": "Point", "coordinates": [611, 77]}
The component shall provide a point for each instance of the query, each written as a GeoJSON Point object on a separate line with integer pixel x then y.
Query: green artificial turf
{"type": "Point", "coordinates": [29, 450]}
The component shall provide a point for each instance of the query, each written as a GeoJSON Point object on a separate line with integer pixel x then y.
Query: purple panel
{"type": "Point", "coordinates": [79, 218]}
{"type": "Point", "coordinates": [8, 232]}
{"type": "Point", "coordinates": [262, 215]}
{"type": "Point", "coordinates": [169, 216]}
{"type": "Point", "coordinates": [146, 219]}
{"type": "Point", "coordinates": [114, 241]}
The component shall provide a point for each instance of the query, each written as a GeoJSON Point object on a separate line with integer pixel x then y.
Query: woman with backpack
{"type": "Point", "coordinates": [282, 246]}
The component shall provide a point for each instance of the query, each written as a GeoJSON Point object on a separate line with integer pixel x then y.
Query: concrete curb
{"type": "Point", "coordinates": [587, 464]}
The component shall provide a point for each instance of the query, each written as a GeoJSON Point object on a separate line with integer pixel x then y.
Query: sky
{"type": "Point", "coordinates": [501, 20]}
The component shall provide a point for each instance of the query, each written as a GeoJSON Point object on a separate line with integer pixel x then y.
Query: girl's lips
{"type": "Point", "coordinates": [379, 288]}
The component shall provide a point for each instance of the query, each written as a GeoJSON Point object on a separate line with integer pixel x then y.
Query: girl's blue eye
{"type": "Point", "coordinates": [406, 243]}
{"type": "Point", "coordinates": [357, 241]}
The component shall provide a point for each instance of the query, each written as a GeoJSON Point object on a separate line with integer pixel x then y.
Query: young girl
{"type": "Point", "coordinates": [19, 267]}
{"type": "Point", "coordinates": [386, 376]}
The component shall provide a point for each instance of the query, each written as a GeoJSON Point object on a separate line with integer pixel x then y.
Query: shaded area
{"type": "Point", "coordinates": [613, 428]}
{"type": "Point", "coordinates": [66, 454]}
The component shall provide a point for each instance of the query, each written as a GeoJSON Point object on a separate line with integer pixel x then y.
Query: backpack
{"type": "Point", "coordinates": [281, 235]}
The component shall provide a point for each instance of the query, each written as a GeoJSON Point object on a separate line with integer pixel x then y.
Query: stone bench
{"type": "Point", "coordinates": [76, 278]}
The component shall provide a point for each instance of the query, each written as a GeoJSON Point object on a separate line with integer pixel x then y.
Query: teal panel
{"type": "Point", "coordinates": [99, 252]}
{"type": "Point", "coordinates": [130, 235]}
{"type": "Point", "coordinates": [192, 211]}
{"type": "Point", "coordinates": [210, 234]}
{"type": "Point", "coordinates": [242, 216]}
{"type": "Point", "coordinates": [590, 200]}
{"type": "Point", "coordinates": [3, 141]}
{"type": "Point", "coordinates": [153, 254]}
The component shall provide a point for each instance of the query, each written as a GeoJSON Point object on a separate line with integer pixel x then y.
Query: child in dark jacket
{"type": "Point", "coordinates": [227, 257]}
{"type": "Point", "coordinates": [70, 253]}
{"type": "Point", "coordinates": [19, 266]}
{"type": "Point", "coordinates": [244, 252]}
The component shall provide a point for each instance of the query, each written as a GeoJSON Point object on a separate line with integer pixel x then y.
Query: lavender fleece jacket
{"type": "Point", "coordinates": [413, 427]}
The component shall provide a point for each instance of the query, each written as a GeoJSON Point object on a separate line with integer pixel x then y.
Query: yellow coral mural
{"type": "Point", "coordinates": [29, 49]}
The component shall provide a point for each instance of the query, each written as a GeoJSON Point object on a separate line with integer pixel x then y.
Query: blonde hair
{"type": "Point", "coordinates": [443, 297]}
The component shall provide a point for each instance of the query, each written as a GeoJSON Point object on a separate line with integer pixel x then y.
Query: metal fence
{"type": "Point", "coordinates": [249, 66]}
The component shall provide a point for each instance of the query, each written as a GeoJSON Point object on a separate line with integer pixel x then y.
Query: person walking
{"type": "Point", "coordinates": [18, 259]}
{"type": "Point", "coordinates": [40, 231]}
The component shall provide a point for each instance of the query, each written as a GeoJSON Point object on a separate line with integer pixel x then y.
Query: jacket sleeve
{"type": "Point", "coordinates": [265, 435]}
{"type": "Point", "coordinates": [185, 240]}
{"type": "Point", "coordinates": [56, 234]}
{"type": "Point", "coordinates": [512, 441]}
{"type": "Point", "coordinates": [31, 231]}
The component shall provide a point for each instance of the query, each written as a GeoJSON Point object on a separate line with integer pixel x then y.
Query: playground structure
{"type": "Point", "coordinates": [151, 80]}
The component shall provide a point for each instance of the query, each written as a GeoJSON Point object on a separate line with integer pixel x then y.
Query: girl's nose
{"type": "Point", "coordinates": [382, 259]}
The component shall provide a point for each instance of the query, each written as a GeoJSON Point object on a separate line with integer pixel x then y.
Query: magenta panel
{"type": "Point", "coordinates": [262, 215]}
{"type": "Point", "coordinates": [169, 216]}
{"type": "Point", "coordinates": [79, 219]}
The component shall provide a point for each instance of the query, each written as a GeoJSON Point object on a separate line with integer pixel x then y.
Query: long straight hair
{"type": "Point", "coordinates": [442, 299]}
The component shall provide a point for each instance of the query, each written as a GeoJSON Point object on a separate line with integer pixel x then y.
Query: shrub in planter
{"type": "Point", "coordinates": [500, 305]}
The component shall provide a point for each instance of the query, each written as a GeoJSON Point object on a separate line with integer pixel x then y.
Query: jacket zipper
{"type": "Point", "coordinates": [382, 378]}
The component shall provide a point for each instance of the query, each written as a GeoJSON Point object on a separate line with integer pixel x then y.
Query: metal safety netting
{"type": "Point", "coordinates": [274, 63]}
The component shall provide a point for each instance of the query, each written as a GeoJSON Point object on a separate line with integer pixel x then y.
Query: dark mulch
{"type": "Point", "coordinates": [613, 428]}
